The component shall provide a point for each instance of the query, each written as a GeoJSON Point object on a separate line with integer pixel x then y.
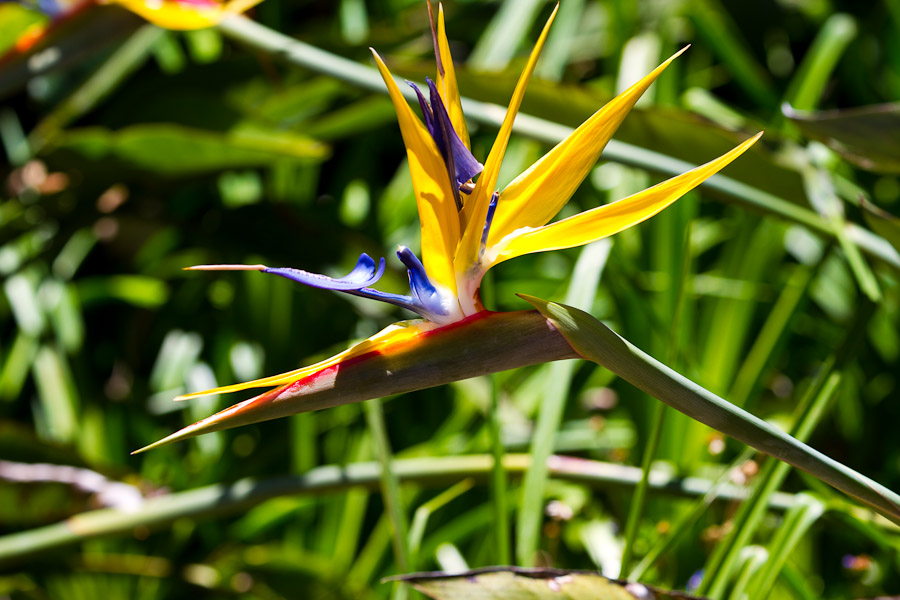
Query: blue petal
{"type": "Point", "coordinates": [489, 218]}
{"type": "Point", "coordinates": [466, 166]}
{"type": "Point", "coordinates": [363, 274]}
{"type": "Point", "coordinates": [437, 121]}
{"type": "Point", "coordinates": [424, 292]}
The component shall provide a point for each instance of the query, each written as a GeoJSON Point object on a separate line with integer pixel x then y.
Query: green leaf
{"type": "Point", "coordinates": [176, 150]}
{"type": "Point", "coordinates": [868, 137]}
{"type": "Point", "coordinates": [511, 583]}
{"type": "Point", "coordinates": [596, 342]}
{"type": "Point", "coordinates": [882, 222]}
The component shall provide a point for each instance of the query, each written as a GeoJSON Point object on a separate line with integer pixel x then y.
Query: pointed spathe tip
{"type": "Point", "coordinates": [226, 268]}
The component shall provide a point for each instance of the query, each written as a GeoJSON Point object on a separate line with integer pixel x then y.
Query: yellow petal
{"type": "Point", "coordinates": [434, 196]}
{"type": "Point", "coordinates": [536, 195]}
{"type": "Point", "coordinates": [446, 81]}
{"type": "Point", "coordinates": [476, 208]}
{"type": "Point", "coordinates": [183, 16]}
{"type": "Point", "coordinates": [611, 218]}
{"type": "Point", "coordinates": [394, 334]}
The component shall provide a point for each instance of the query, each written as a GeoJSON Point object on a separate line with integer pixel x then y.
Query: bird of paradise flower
{"type": "Point", "coordinates": [168, 14]}
{"type": "Point", "coordinates": [467, 227]}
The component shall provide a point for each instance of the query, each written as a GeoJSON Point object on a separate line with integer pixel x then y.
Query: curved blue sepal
{"type": "Point", "coordinates": [363, 275]}
{"type": "Point", "coordinates": [464, 164]}
{"type": "Point", "coordinates": [423, 291]}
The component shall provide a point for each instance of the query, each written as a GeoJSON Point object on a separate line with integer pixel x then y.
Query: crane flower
{"type": "Point", "coordinates": [467, 227]}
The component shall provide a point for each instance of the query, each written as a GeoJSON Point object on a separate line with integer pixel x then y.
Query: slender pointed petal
{"type": "Point", "coordinates": [434, 196]}
{"type": "Point", "coordinates": [538, 194]}
{"type": "Point", "coordinates": [424, 356]}
{"type": "Point", "coordinates": [446, 80]}
{"type": "Point", "coordinates": [396, 333]}
{"type": "Point", "coordinates": [477, 207]}
{"type": "Point", "coordinates": [183, 15]}
{"type": "Point", "coordinates": [363, 275]}
{"type": "Point", "coordinates": [611, 218]}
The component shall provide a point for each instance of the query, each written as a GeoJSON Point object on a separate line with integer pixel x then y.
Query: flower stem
{"type": "Point", "coordinates": [390, 484]}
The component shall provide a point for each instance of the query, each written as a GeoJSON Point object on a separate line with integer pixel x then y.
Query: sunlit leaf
{"type": "Point", "coordinates": [868, 137]}
{"type": "Point", "coordinates": [176, 150]}
{"type": "Point", "coordinates": [511, 583]}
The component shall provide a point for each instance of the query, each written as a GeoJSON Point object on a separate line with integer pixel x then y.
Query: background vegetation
{"type": "Point", "coordinates": [164, 150]}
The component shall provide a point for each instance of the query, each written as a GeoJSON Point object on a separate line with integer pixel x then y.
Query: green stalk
{"type": "Point", "coordinates": [295, 52]}
{"type": "Point", "coordinates": [796, 523]}
{"type": "Point", "coordinates": [810, 410]}
{"type": "Point", "coordinates": [125, 60]}
{"type": "Point", "coordinates": [498, 478]}
{"type": "Point", "coordinates": [238, 497]}
{"type": "Point", "coordinates": [684, 522]}
{"type": "Point", "coordinates": [498, 473]}
{"type": "Point", "coordinates": [771, 335]}
{"type": "Point", "coordinates": [722, 564]}
{"type": "Point", "coordinates": [638, 500]}
{"type": "Point", "coordinates": [820, 61]}
{"type": "Point", "coordinates": [390, 484]}
{"type": "Point", "coordinates": [585, 279]}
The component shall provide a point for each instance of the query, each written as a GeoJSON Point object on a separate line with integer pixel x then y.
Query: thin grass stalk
{"type": "Point", "coordinates": [638, 500]}
{"type": "Point", "coordinates": [390, 484]}
{"type": "Point", "coordinates": [684, 523]}
{"type": "Point", "coordinates": [638, 503]}
{"type": "Point", "coordinates": [238, 497]}
{"type": "Point", "coordinates": [585, 279]}
{"type": "Point", "coordinates": [424, 512]}
{"type": "Point", "coordinates": [724, 558]}
{"type": "Point", "coordinates": [796, 523]}
{"type": "Point", "coordinates": [499, 485]}
{"type": "Point", "coordinates": [772, 333]}
{"type": "Point", "coordinates": [753, 557]}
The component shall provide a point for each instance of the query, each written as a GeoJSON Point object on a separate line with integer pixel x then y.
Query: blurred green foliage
{"type": "Point", "coordinates": [170, 150]}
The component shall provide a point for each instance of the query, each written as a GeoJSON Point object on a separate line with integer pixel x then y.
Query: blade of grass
{"type": "Point", "coordinates": [796, 523]}
{"type": "Point", "coordinates": [390, 484]}
{"type": "Point", "coordinates": [722, 562]}
{"type": "Point", "coordinates": [424, 512]}
{"type": "Point", "coordinates": [688, 519]}
{"type": "Point", "coordinates": [774, 331]}
{"type": "Point", "coordinates": [498, 473]}
{"type": "Point", "coordinates": [585, 279]}
{"type": "Point", "coordinates": [820, 60]}
{"type": "Point", "coordinates": [636, 508]}
{"type": "Point", "coordinates": [823, 196]}
{"type": "Point", "coordinates": [753, 559]}
{"type": "Point", "coordinates": [504, 34]}
{"type": "Point", "coordinates": [669, 253]}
